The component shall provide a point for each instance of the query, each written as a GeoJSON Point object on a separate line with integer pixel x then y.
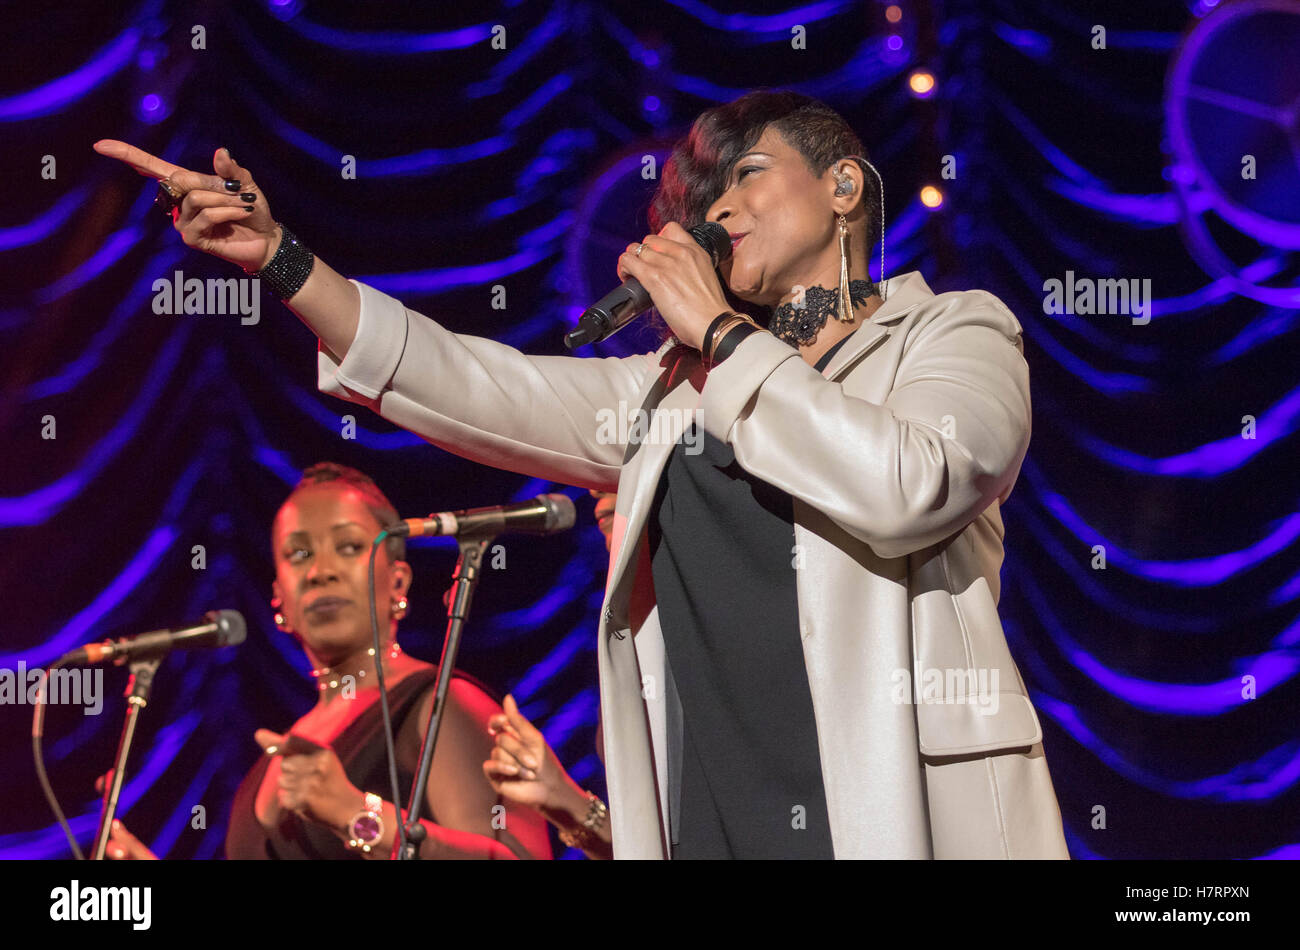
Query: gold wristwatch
{"type": "Point", "coordinates": [367, 826]}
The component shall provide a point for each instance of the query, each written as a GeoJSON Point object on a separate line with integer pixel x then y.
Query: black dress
{"type": "Point", "coordinates": [748, 774]}
{"type": "Point", "coordinates": [361, 749]}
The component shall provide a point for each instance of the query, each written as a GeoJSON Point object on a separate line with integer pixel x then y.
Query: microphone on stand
{"type": "Point", "coordinates": [220, 628]}
{"type": "Point", "coordinates": [144, 652]}
{"type": "Point", "coordinates": [625, 303]}
{"type": "Point", "coordinates": [545, 514]}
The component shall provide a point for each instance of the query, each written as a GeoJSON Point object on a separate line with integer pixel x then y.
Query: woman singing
{"type": "Point", "coordinates": [330, 803]}
{"type": "Point", "coordinates": [800, 653]}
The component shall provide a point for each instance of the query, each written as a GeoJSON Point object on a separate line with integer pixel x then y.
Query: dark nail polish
{"type": "Point", "coordinates": [229, 156]}
{"type": "Point", "coordinates": [250, 208]}
{"type": "Point", "coordinates": [249, 196]}
{"type": "Point", "coordinates": [232, 184]}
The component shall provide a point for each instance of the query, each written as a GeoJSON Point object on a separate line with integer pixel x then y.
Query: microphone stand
{"type": "Point", "coordinates": [463, 581]}
{"type": "Point", "coordinates": [137, 697]}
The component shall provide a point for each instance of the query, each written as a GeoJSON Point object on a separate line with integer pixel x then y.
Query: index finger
{"type": "Point", "coordinates": [139, 159]}
{"type": "Point", "coordinates": [517, 720]}
{"type": "Point", "coordinates": [151, 166]}
{"type": "Point", "coordinates": [268, 740]}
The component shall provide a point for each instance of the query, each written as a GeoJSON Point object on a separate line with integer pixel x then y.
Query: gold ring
{"type": "Point", "coordinates": [272, 749]}
{"type": "Point", "coordinates": [168, 197]}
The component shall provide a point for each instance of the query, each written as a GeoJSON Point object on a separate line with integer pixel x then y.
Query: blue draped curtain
{"type": "Point", "coordinates": [499, 156]}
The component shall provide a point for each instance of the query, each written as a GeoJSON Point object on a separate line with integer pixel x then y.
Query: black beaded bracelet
{"type": "Point", "coordinates": [729, 342]}
{"type": "Point", "coordinates": [289, 267]}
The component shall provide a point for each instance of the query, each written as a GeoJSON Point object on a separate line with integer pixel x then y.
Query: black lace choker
{"type": "Point", "coordinates": [799, 326]}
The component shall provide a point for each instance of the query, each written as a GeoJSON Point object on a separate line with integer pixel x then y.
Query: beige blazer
{"type": "Point", "coordinates": [897, 457]}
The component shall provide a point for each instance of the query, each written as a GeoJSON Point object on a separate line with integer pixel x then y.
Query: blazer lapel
{"type": "Point", "coordinates": [669, 408]}
{"type": "Point", "coordinates": [903, 294]}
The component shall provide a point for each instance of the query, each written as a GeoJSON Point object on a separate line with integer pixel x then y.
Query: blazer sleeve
{"type": "Point", "coordinates": [543, 416]}
{"type": "Point", "coordinates": [946, 443]}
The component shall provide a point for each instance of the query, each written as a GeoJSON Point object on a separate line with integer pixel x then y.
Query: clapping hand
{"type": "Point", "coordinates": [312, 781]}
{"type": "Point", "coordinates": [522, 768]}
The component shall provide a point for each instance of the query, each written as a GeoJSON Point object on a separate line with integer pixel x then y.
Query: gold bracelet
{"type": "Point", "coordinates": [726, 317]}
{"type": "Point", "coordinates": [723, 329]}
{"type": "Point", "coordinates": [585, 835]}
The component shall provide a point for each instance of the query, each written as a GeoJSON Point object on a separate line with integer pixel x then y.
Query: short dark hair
{"type": "Point", "coordinates": [701, 162]}
{"type": "Point", "coordinates": [377, 502]}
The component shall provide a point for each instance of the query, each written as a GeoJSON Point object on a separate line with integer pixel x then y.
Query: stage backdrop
{"type": "Point", "coordinates": [487, 168]}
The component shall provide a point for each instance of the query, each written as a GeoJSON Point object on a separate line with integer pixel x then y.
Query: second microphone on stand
{"type": "Point", "coordinates": [545, 514]}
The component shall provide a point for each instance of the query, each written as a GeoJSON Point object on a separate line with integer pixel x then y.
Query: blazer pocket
{"type": "Point", "coordinates": [982, 706]}
{"type": "Point", "coordinates": [962, 728]}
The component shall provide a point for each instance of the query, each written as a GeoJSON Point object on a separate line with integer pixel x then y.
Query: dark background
{"type": "Point", "coordinates": [522, 168]}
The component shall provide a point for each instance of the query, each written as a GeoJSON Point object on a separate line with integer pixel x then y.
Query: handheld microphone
{"type": "Point", "coordinates": [545, 514]}
{"type": "Point", "coordinates": [220, 628]}
{"type": "Point", "coordinates": [624, 304]}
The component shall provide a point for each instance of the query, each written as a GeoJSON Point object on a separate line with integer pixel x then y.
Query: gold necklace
{"type": "Point", "coordinates": [322, 675]}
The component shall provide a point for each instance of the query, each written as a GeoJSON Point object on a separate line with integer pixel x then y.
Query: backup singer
{"type": "Point", "coordinates": [332, 804]}
{"type": "Point", "coordinates": [783, 591]}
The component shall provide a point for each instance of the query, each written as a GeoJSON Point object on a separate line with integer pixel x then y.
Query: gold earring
{"type": "Point", "coordinates": [846, 301]}
{"type": "Point", "coordinates": [280, 621]}
{"type": "Point", "coordinates": [398, 609]}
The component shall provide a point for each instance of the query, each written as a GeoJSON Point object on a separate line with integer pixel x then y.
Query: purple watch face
{"type": "Point", "coordinates": [366, 828]}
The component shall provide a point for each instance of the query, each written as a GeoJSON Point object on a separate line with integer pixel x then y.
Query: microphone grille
{"type": "Point", "coordinates": [231, 629]}
{"type": "Point", "coordinates": [560, 513]}
{"type": "Point", "coordinates": [714, 238]}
